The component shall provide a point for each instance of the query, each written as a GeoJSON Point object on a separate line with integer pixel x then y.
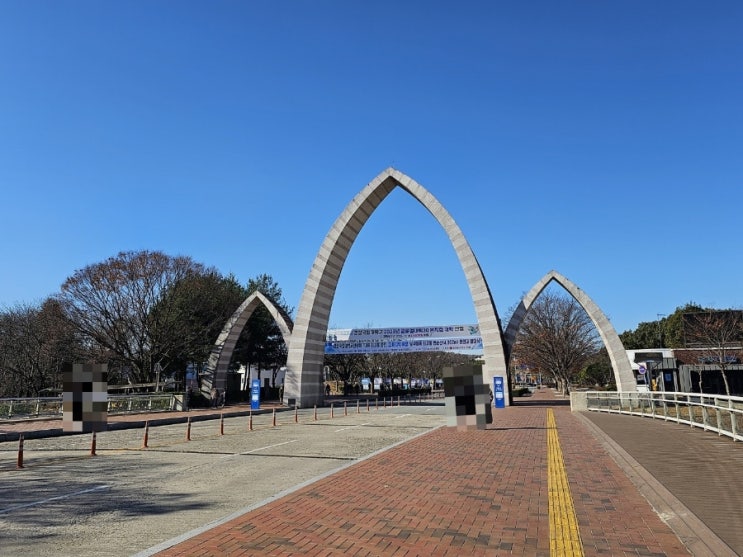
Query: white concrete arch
{"type": "Point", "coordinates": [307, 346]}
{"type": "Point", "coordinates": [623, 374]}
{"type": "Point", "coordinates": [221, 353]}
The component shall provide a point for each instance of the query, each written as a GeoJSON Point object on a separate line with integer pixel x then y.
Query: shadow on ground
{"type": "Point", "coordinates": [530, 403]}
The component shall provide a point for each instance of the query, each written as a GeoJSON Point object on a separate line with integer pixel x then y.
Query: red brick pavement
{"type": "Point", "coordinates": [451, 493]}
{"type": "Point", "coordinates": [614, 519]}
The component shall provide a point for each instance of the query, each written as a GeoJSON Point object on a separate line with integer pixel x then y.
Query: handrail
{"type": "Point", "coordinates": [718, 413]}
{"type": "Point", "coordinates": [52, 407]}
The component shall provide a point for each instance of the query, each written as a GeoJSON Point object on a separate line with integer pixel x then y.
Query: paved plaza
{"type": "Point", "coordinates": [389, 481]}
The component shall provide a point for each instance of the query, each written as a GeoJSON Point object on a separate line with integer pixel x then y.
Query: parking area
{"type": "Point", "coordinates": [126, 498]}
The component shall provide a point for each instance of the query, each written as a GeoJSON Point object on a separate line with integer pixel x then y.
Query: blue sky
{"type": "Point", "coordinates": [599, 139]}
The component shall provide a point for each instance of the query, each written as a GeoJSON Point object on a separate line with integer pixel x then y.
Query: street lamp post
{"type": "Point", "coordinates": [660, 329]}
{"type": "Point", "coordinates": [660, 346]}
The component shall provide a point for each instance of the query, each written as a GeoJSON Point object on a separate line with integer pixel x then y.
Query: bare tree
{"type": "Point", "coordinates": [718, 336]}
{"type": "Point", "coordinates": [346, 367]}
{"type": "Point", "coordinates": [380, 364]}
{"type": "Point", "coordinates": [432, 364]}
{"type": "Point", "coordinates": [110, 303]}
{"type": "Point", "coordinates": [35, 340]}
{"type": "Point", "coordinates": [413, 365]}
{"type": "Point", "coordinates": [557, 337]}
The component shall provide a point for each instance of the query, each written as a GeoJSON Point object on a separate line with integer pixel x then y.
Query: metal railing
{"type": "Point", "coordinates": [721, 414]}
{"type": "Point", "coordinates": [30, 407]}
{"type": "Point", "coordinates": [51, 407]}
{"type": "Point", "coordinates": [149, 402]}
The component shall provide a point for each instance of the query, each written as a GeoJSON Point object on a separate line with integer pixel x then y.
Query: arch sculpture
{"type": "Point", "coordinates": [221, 353]}
{"type": "Point", "coordinates": [623, 374]}
{"type": "Point", "coordinates": [303, 380]}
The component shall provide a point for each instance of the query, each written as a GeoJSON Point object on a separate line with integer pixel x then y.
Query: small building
{"type": "Point", "coordinates": [682, 370]}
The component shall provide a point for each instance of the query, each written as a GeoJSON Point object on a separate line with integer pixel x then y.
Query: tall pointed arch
{"type": "Point", "coordinates": [221, 353]}
{"type": "Point", "coordinates": [623, 373]}
{"type": "Point", "coordinates": [307, 346]}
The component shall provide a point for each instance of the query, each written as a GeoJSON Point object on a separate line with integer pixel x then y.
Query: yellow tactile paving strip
{"type": "Point", "coordinates": [564, 532]}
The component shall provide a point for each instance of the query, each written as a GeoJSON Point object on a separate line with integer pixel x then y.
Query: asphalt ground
{"type": "Point", "coordinates": [388, 482]}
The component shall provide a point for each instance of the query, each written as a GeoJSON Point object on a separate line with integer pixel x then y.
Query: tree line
{"type": "Point", "coordinates": [700, 336]}
{"type": "Point", "coordinates": [145, 313]}
{"type": "Point", "coordinates": [351, 368]}
{"type": "Point", "coordinates": [149, 315]}
{"type": "Point", "coordinates": [559, 340]}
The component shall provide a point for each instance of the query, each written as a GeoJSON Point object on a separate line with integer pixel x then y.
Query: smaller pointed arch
{"type": "Point", "coordinates": [221, 353]}
{"type": "Point", "coordinates": [620, 363]}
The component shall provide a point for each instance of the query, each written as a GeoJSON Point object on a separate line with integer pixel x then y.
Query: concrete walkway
{"type": "Point", "coordinates": [635, 486]}
{"type": "Point", "coordinates": [691, 477]}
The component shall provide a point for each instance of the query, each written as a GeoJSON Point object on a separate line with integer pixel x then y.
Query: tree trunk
{"type": "Point", "coordinates": [725, 380]}
{"type": "Point", "coordinates": [701, 391]}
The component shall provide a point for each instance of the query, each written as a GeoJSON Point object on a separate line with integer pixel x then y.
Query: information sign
{"type": "Point", "coordinates": [255, 394]}
{"type": "Point", "coordinates": [499, 399]}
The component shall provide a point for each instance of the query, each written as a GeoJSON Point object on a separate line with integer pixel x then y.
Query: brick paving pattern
{"type": "Point", "coordinates": [614, 519]}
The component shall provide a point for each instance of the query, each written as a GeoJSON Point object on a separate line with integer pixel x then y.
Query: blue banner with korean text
{"type": "Point", "coordinates": [453, 338]}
